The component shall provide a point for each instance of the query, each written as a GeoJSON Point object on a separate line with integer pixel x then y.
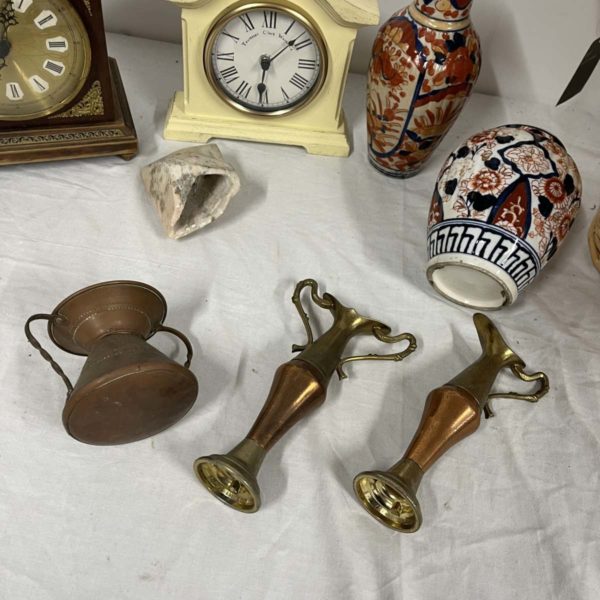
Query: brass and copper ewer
{"type": "Point", "coordinates": [299, 386]}
{"type": "Point", "coordinates": [452, 412]}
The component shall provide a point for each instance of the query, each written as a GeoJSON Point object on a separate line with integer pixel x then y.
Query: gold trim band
{"type": "Point", "coordinates": [437, 24]}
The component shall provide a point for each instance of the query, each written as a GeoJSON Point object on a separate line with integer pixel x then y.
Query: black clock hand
{"type": "Point", "coordinates": [4, 47]}
{"type": "Point", "coordinates": [265, 63]}
{"type": "Point", "coordinates": [7, 18]}
{"type": "Point", "coordinates": [290, 44]}
{"type": "Point", "coordinates": [262, 90]}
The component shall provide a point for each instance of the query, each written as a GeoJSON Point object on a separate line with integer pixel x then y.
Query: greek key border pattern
{"type": "Point", "coordinates": [488, 242]}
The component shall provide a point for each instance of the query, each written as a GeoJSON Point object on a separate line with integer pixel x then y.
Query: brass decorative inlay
{"type": "Point", "coordinates": [23, 140]}
{"type": "Point", "coordinates": [92, 104]}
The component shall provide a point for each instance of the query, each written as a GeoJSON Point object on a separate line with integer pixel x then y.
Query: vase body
{"type": "Point", "coordinates": [502, 206]}
{"type": "Point", "coordinates": [426, 60]}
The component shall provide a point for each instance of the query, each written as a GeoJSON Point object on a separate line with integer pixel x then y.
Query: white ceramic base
{"type": "Point", "coordinates": [188, 128]}
{"type": "Point", "coordinates": [471, 281]}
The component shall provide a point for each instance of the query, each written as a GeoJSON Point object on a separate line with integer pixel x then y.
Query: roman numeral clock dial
{"type": "Point", "coordinates": [265, 59]}
{"type": "Point", "coordinates": [45, 57]}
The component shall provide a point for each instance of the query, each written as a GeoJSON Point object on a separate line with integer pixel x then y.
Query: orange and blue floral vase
{"type": "Point", "coordinates": [426, 60]}
{"type": "Point", "coordinates": [503, 205]}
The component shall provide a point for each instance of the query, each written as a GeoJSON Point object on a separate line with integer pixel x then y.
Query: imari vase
{"type": "Point", "coordinates": [503, 205]}
{"type": "Point", "coordinates": [425, 62]}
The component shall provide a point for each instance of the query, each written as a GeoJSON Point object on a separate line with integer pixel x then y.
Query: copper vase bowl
{"type": "Point", "coordinates": [127, 390]}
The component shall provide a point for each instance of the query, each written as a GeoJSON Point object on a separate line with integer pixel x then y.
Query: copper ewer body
{"type": "Point", "coordinates": [452, 412]}
{"type": "Point", "coordinates": [127, 390]}
{"type": "Point", "coordinates": [299, 386]}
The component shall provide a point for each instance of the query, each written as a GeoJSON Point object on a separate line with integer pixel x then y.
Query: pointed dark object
{"type": "Point", "coordinates": [583, 73]}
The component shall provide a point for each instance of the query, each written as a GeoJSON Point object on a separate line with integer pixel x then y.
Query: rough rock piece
{"type": "Point", "coordinates": [190, 188]}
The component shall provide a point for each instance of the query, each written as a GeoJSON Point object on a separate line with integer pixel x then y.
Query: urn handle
{"type": "Point", "coordinates": [384, 337]}
{"type": "Point", "coordinates": [324, 301]}
{"type": "Point", "coordinates": [46, 355]}
{"type": "Point", "coordinates": [518, 370]}
{"type": "Point", "coordinates": [186, 342]}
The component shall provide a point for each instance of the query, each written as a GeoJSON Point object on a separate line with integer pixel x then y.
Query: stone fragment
{"type": "Point", "coordinates": [190, 188]}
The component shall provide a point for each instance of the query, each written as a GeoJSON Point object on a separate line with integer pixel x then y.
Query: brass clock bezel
{"type": "Point", "coordinates": [87, 65]}
{"type": "Point", "coordinates": [285, 7]}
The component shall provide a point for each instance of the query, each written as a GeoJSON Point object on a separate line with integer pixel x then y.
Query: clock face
{"type": "Point", "coordinates": [265, 59]}
{"type": "Point", "coordinates": [45, 57]}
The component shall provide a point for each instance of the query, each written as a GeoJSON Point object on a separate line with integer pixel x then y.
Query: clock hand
{"type": "Point", "coordinates": [7, 19]}
{"type": "Point", "coordinates": [262, 89]}
{"type": "Point", "coordinates": [265, 63]}
{"type": "Point", "coordinates": [290, 44]}
{"type": "Point", "coordinates": [4, 46]}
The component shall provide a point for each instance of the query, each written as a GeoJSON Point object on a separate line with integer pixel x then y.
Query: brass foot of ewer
{"type": "Point", "coordinates": [299, 386]}
{"type": "Point", "coordinates": [452, 412]}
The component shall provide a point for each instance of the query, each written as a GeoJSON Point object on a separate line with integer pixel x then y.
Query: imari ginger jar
{"type": "Point", "coordinates": [502, 206]}
{"type": "Point", "coordinates": [425, 62]}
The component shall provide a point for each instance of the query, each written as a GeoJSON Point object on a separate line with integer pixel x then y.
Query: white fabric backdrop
{"type": "Point", "coordinates": [510, 513]}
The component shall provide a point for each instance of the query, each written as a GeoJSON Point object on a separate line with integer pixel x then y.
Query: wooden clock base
{"type": "Point", "coordinates": [183, 127]}
{"type": "Point", "coordinates": [110, 138]}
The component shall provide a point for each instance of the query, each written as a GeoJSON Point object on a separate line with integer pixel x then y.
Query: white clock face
{"type": "Point", "coordinates": [266, 60]}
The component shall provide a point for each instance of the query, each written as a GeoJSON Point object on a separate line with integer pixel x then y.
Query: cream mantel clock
{"type": "Point", "coordinates": [267, 71]}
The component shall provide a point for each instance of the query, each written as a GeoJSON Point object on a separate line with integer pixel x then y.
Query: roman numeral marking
{"type": "Point", "coordinates": [45, 19]}
{"type": "Point", "coordinates": [14, 91]}
{"type": "Point", "coordinates": [265, 97]}
{"type": "Point", "coordinates": [38, 84]}
{"type": "Point", "coordinates": [233, 37]}
{"type": "Point", "coordinates": [56, 68]}
{"type": "Point", "coordinates": [270, 21]}
{"type": "Point", "coordinates": [247, 21]}
{"type": "Point", "coordinates": [226, 56]}
{"type": "Point", "coordinates": [21, 6]}
{"type": "Point", "coordinates": [290, 27]}
{"type": "Point", "coordinates": [304, 63]}
{"type": "Point", "coordinates": [285, 94]}
{"type": "Point", "coordinates": [229, 75]}
{"type": "Point", "coordinates": [243, 89]}
{"type": "Point", "coordinates": [299, 81]}
{"type": "Point", "coordinates": [57, 44]}
{"type": "Point", "coordinates": [303, 44]}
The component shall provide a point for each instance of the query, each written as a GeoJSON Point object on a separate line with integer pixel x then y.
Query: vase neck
{"type": "Point", "coordinates": [444, 10]}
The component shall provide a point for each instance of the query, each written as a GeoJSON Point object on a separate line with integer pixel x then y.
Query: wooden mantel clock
{"type": "Point", "coordinates": [60, 95]}
{"type": "Point", "coordinates": [267, 71]}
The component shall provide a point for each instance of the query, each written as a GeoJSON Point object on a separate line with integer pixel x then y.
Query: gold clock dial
{"type": "Point", "coordinates": [265, 59]}
{"type": "Point", "coordinates": [45, 57]}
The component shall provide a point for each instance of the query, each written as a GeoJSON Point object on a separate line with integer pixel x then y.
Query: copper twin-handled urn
{"type": "Point", "coordinates": [452, 412]}
{"type": "Point", "coordinates": [299, 386]}
{"type": "Point", "coordinates": [127, 390]}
